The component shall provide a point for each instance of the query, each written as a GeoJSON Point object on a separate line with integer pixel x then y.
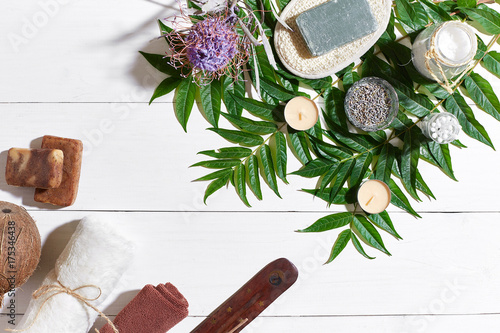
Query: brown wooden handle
{"type": "Point", "coordinates": [251, 299]}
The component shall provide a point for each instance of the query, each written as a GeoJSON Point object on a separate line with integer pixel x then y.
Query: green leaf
{"type": "Point", "coordinates": [231, 152]}
{"type": "Point", "coordinates": [426, 155]}
{"type": "Point", "coordinates": [291, 85]}
{"type": "Point", "coordinates": [339, 245]}
{"type": "Point", "coordinates": [481, 49]}
{"type": "Point", "coordinates": [266, 71]}
{"type": "Point", "coordinates": [374, 66]}
{"type": "Point", "coordinates": [164, 29]}
{"type": "Point", "coordinates": [184, 101]}
{"type": "Point", "coordinates": [253, 176]}
{"type": "Point", "coordinates": [218, 164]}
{"type": "Point", "coordinates": [341, 198]}
{"type": "Point", "coordinates": [165, 87]}
{"type": "Point", "coordinates": [378, 136]}
{"type": "Point", "coordinates": [215, 175]}
{"type": "Point", "coordinates": [422, 186]}
{"type": "Point", "coordinates": [457, 105]}
{"type": "Point", "coordinates": [242, 138]}
{"type": "Point", "coordinates": [315, 168]}
{"type": "Point", "coordinates": [467, 3]}
{"type": "Point", "coordinates": [409, 161]}
{"type": "Point", "coordinates": [368, 233]}
{"type": "Point", "coordinates": [216, 185]}
{"type": "Point", "coordinates": [491, 62]}
{"type": "Point", "coordinates": [349, 78]}
{"type": "Point", "coordinates": [334, 106]}
{"type": "Point", "coordinates": [402, 123]}
{"type": "Point", "coordinates": [448, 5]}
{"type": "Point", "coordinates": [232, 87]}
{"type": "Point", "coordinates": [435, 13]}
{"type": "Point", "coordinates": [356, 142]}
{"type": "Point", "coordinates": [317, 84]}
{"type": "Point", "coordinates": [329, 222]}
{"type": "Point", "coordinates": [399, 54]}
{"type": "Point", "coordinates": [342, 176]}
{"type": "Point", "coordinates": [390, 33]}
{"type": "Point", "coordinates": [248, 125]}
{"type": "Point", "coordinates": [240, 183]}
{"type": "Point", "coordinates": [358, 173]}
{"type": "Point", "coordinates": [357, 245]}
{"type": "Point", "coordinates": [458, 144]}
{"type": "Point", "coordinates": [258, 109]}
{"type": "Point", "coordinates": [442, 155]}
{"type": "Point", "coordinates": [161, 63]}
{"type": "Point", "coordinates": [384, 163]}
{"type": "Point", "coordinates": [488, 18]}
{"type": "Point", "coordinates": [300, 147]}
{"type": "Point", "coordinates": [211, 101]}
{"type": "Point", "coordinates": [276, 91]}
{"type": "Point", "coordinates": [330, 176]}
{"type": "Point", "coordinates": [482, 94]}
{"type": "Point", "coordinates": [315, 131]}
{"type": "Point", "coordinates": [281, 156]}
{"type": "Point", "coordinates": [329, 151]}
{"type": "Point", "coordinates": [417, 104]}
{"type": "Point", "coordinates": [436, 90]}
{"type": "Point", "coordinates": [260, 64]}
{"type": "Point", "coordinates": [411, 14]}
{"type": "Point", "coordinates": [268, 168]}
{"type": "Point", "coordinates": [398, 199]}
{"type": "Point", "coordinates": [383, 221]}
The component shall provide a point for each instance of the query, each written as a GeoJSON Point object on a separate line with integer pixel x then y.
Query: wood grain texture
{"type": "Point", "coordinates": [78, 74]}
{"type": "Point", "coordinates": [248, 302]}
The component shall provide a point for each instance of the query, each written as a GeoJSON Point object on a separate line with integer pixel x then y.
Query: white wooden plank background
{"type": "Point", "coordinates": [76, 73]}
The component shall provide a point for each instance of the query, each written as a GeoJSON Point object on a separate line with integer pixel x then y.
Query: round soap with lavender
{"type": "Point", "coordinates": [371, 104]}
{"type": "Point", "coordinates": [441, 127]}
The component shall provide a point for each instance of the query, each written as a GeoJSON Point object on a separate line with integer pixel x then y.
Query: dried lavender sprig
{"type": "Point", "coordinates": [370, 105]}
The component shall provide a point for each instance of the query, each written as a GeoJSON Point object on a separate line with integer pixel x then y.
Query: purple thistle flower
{"type": "Point", "coordinates": [211, 44]}
{"type": "Point", "coordinates": [210, 48]}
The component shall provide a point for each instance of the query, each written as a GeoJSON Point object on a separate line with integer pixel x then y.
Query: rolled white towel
{"type": "Point", "coordinates": [95, 256]}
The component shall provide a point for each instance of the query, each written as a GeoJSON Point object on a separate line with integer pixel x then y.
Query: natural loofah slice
{"type": "Point", "coordinates": [295, 55]}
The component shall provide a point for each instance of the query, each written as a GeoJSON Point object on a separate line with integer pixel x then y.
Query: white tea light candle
{"type": "Point", "coordinates": [374, 196]}
{"type": "Point", "coordinates": [301, 113]}
{"type": "Point", "coordinates": [446, 49]}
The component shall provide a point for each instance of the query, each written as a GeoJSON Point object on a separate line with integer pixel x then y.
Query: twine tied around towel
{"type": "Point", "coordinates": [59, 288]}
{"type": "Point", "coordinates": [433, 54]}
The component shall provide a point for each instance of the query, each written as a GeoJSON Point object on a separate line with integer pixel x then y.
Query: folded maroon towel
{"type": "Point", "coordinates": [153, 310]}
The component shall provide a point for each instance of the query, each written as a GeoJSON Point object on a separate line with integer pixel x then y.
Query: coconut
{"type": "Point", "coordinates": [20, 247]}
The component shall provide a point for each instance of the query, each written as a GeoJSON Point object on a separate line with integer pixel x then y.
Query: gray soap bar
{"type": "Point", "coordinates": [335, 23]}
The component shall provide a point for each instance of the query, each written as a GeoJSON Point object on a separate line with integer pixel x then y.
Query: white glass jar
{"type": "Point", "coordinates": [441, 127]}
{"type": "Point", "coordinates": [452, 47]}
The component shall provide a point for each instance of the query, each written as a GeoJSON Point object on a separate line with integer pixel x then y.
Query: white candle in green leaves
{"type": "Point", "coordinates": [301, 113]}
{"type": "Point", "coordinates": [374, 196]}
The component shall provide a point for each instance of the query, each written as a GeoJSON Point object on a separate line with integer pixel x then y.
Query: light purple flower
{"type": "Point", "coordinates": [211, 44]}
{"type": "Point", "coordinates": [210, 48]}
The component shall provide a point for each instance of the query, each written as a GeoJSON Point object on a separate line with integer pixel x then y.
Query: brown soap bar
{"type": "Point", "coordinates": [34, 167]}
{"type": "Point", "coordinates": [65, 194]}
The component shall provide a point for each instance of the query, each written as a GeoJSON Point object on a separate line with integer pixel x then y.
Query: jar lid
{"type": "Point", "coordinates": [456, 43]}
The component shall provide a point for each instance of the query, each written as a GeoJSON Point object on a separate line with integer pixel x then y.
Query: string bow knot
{"type": "Point", "coordinates": [59, 288]}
